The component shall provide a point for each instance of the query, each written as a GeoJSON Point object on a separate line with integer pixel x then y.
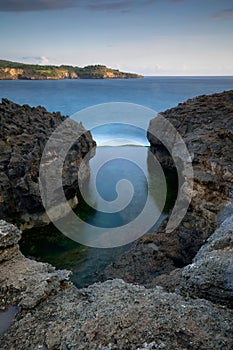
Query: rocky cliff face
{"type": "Point", "coordinates": [197, 314]}
{"type": "Point", "coordinates": [11, 73]}
{"type": "Point", "coordinates": [210, 275]}
{"type": "Point", "coordinates": [206, 125]}
{"type": "Point", "coordinates": [22, 74]}
{"type": "Point", "coordinates": [24, 132]}
{"type": "Point", "coordinates": [15, 70]}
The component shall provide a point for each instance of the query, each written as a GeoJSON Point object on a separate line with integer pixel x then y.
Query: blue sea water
{"type": "Point", "coordinates": [71, 96]}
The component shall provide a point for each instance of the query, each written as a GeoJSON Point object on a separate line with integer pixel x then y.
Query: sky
{"type": "Point", "coordinates": [149, 37]}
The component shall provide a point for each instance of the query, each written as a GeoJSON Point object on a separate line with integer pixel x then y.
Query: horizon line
{"type": "Point", "coordinates": [189, 76]}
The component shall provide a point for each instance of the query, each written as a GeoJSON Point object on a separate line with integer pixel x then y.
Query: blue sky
{"type": "Point", "coordinates": [151, 37]}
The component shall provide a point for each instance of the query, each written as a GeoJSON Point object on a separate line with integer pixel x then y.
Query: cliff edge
{"type": "Point", "coordinates": [24, 131]}
{"type": "Point", "coordinates": [206, 125]}
{"type": "Point", "coordinates": [21, 71]}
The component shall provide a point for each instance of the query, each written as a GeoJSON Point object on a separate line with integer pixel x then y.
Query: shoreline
{"type": "Point", "coordinates": [22, 71]}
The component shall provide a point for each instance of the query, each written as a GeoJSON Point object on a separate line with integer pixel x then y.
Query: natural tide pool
{"type": "Point", "coordinates": [6, 318]}
{"type": "Point", "coordinates": [48, 244]}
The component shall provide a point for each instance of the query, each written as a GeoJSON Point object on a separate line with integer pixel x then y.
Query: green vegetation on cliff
{"type": "Point", "coordinates": [15, 70]}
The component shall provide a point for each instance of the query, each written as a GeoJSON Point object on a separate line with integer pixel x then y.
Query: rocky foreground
{"type": "Point", "coordinates": [53, 314]}
{"type": "Point", "coordinates": [188, 302]}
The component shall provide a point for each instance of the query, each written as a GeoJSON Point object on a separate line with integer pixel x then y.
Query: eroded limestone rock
{"type": "Point", "coordinates": [24, 131]}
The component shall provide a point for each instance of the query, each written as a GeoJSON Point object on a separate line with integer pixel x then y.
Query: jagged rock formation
{"type": "Point", "coordinates": [25, 282]}
{"type": "Point", "coordinates": [206, 125]}
{"type": "Point", "coordinates": [210, 276]}
{"type": "Point", "coordinates": [197, 314]}
{"type": "Point", "coordinates": [24, 132]}
{"type": "Point", "coordinates": [53, 314]}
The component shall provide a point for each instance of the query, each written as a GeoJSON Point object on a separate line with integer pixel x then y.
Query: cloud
{"type": "Point", "coordinates": [225, 14]}
{"type": "Point", "coordinates": [94, 5]}
{"type": "Point", "coordinates": [35, 5]}
{"type": "Point", "coordinates": [42, 5]}
{"type": "Point", "coordinates": [111, 5]}
{"type": "Point", "coordinates": [44, 60]}
{"type": "Point", "coordinates": [123, 6]}
{"type": "Point", "coordinates": [36, 59]}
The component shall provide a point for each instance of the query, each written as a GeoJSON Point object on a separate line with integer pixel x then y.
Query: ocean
{"type": "Point", "coordinates": [120, 120]}
{"type": "Point", "coordinates": [70, 96]}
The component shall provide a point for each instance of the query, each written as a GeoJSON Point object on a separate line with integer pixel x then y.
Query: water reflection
{"type": "Point", "coordinates": [6, 318]}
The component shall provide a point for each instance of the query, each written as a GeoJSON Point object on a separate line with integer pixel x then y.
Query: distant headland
{"type": "Point", "coordinates": [21, 71]}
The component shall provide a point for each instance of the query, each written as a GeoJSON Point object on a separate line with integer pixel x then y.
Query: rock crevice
{"type": "Point", "coordinates": [206, 125]}
{"type": "Point", "coordinates": [188, 274]}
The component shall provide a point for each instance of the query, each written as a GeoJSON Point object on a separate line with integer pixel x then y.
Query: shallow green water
{"type": "Point", "coordinates": [49, 245]}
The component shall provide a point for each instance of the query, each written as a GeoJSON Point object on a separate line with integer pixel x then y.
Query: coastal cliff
{"type": "Point", "coordinates": [21, 71]}
{"type": "Point", "coordinates": [24, 131]}
{"type": "Point", "coordinates": [206, 125]}
{"type": "Point", "coordinates": [189, 272]}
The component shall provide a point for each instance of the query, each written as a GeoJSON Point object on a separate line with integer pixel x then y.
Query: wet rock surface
{"type": "Point", "coordinates": [24, 131]}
